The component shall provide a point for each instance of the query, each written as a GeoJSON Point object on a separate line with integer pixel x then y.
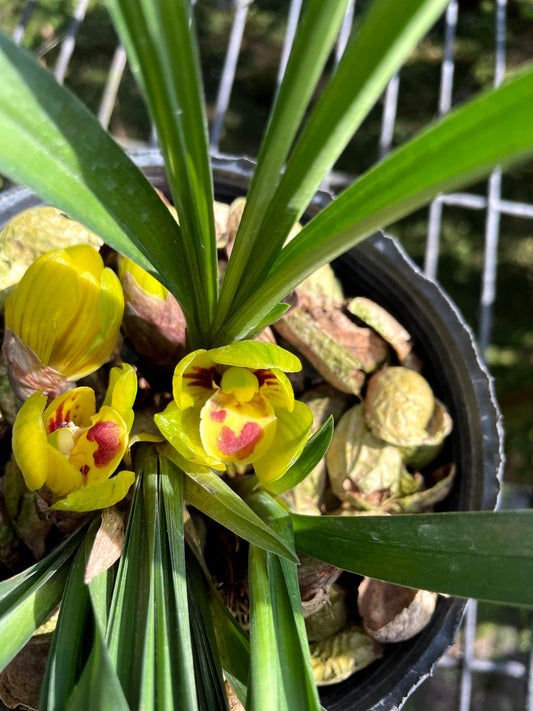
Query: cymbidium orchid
{"type": "Point", "coordinates": [62, 320]}
{"type": "Point", "coordinates": [69, 451]}
{"type": "Point", "coordinates": [235, 405]}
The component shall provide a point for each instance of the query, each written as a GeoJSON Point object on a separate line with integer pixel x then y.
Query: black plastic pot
{"type": "Point", "coordinates": [378, 268]}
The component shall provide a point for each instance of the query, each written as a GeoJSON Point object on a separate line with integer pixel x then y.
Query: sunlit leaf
{"type": "Point", "coordinates": [478, 554]}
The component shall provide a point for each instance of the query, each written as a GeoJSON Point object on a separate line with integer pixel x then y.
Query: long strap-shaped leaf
{"type": "Point", "coordinates": [264, 685]}
{"type": "Point", "coordinates": [318, 29]}
{"type": "Point", "coordinates": [299, 688]}
{"type": "Point", "coordinates": [161, 46]}
{"type": "Point", "coordinates": [210, 494]}
{"type": "Point", "coordinates": [208, 664]}
{"type": "Point", "coordinates": [99, 687]}
{"type": "Point", "coordinates": [27, 599]}
{"type": "Point", "coordinates": [68, 651]}
{"type": "Point", "coordinates": [50, 142]}
{"type": "Point", "coordinates": [148, 632]}
{"type": "Point", "coordinates": [387, 34]}
{"type": "Point", "coordinates": [496, 127]}
{"type": "Point", "coordinates": [478, 554]}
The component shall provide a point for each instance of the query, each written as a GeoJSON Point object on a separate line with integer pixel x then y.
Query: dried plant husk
{"type": "Point", "coordinates": [323, 282]}
{"type": "Point", "coordinates": [331, 360]}
{"type": "Point", "coordinates": [34, 232]}
{"type": "Point", "coordinates": [392, 613]}
{"type": "Point", "coordinates": [306, 497]}
{"type": "Point", "coordinates": [26, 373]}
{"type": "Point", "coordinates": [330, 617]}
{"type": "Point", "coordinates": [233, 700]}
{"type": "Point", "coordinates": [107, 544]}
{"type": "Point", "coordinates": [338, 656]}
{"type": "Point", "coordinates": [438, 428]}
{"type": "Point", "coordinates": [361, 342]}
{"type": "Point", "coordinates": [398, 406]}
{"type": "Point", "coordinates": [359, 464]}
{"type": "Point", "coordinates": [266, 336]}
{"type": "Point", "coordinates": [340, 350]}
{"type": "Point", "coordinates": [437, 487]}
{"type": "Point", "coordinates": [315, 575]}
{"type": "Point", "coordinates": [221, 211]}
{"type": "Point", "coordinates": [383, 323]}
{"type": "Point", "coordinates": [236, 209]}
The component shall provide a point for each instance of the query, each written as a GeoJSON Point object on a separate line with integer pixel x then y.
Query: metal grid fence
{"type": "Point", "coordinates": [492, 204]}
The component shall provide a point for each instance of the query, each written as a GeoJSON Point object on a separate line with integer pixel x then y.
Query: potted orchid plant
{"type": "Point", "coordinates": [141, 623]}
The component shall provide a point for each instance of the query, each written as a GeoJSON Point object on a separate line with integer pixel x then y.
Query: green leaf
{"type": "Point", "coordinates": [211, 689]}
{"type": "Point", "coordinates": [478, 554]}
{"type": "Point", "coordinates": [389, 31]}
{"type": "Point", "coordinates": [299, 688]}
{"type": "Point", "coordinates": [271, 318]}
{"type": "Point", "coordinates": [313, 452]}
{"type": "Point", "coordinates": [233, 644]}
{"type": "Point", "coordinates": [68, 652]}
{"type": "Point", "coordinates": [129, 616]}
{"type": "Point", "coordinates": [164, 56]}
{"type": "Point", "coordinates": [29, 598]}
{"type": "Point", "coordinates": [99, 687]}
{"type": "Point", "coordinates": [318, 29]}
{"type": "Point", "coordinates": [76, 166]}
{"type": "Point", "coordinates": [231, 641]}
{"type": "Point", "coordinates": [496, 127]}
{"type": "Point", "coordinates": [171, 527]}
{"type": "Point", "coordinates": [265, 673]}
{"type": "Point", "coordinates": [148, 631]}
{"type": "Point", "coordinates": [210, 494]}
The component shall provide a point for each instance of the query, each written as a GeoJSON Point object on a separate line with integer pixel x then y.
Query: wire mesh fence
{"type": "Point", "coordinates": [458, 681]}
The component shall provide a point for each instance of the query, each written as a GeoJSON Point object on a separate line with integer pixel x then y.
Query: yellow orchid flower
{"type": "Point", "coordinates": [67, 309]}
{"type": "Point", "coordinates": [71, 450]}
{"type": "Point", "coordinates": [235, 405]}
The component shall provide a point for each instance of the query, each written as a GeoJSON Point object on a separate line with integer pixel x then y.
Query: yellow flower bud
{"type": "Point", "coordinates": [63, 319]}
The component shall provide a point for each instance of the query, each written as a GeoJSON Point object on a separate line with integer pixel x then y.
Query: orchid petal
{"type": "Point", "coordinates": [98, 496]}
{"type": "Point", "coordinates": [276, 387]}
{"type": "Point", "coordinates": [192, 381]}
{"type": "Point", "coordinates": [182, 430]}
{"type": "Point", "coordinates": [292, 432]}
{"type": "Point", "coordinates": [121, 392]}
{"type": "Point", "coordinates": [256, 355]}
{"type": "Point", "coordinates": [77, 406]}
{"type": "Point", "coordinates": [63, 477]}
{"type": "Point", "coordinates": [30, 446]}
{"type": "Point", "coordinates": [37, 320]}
